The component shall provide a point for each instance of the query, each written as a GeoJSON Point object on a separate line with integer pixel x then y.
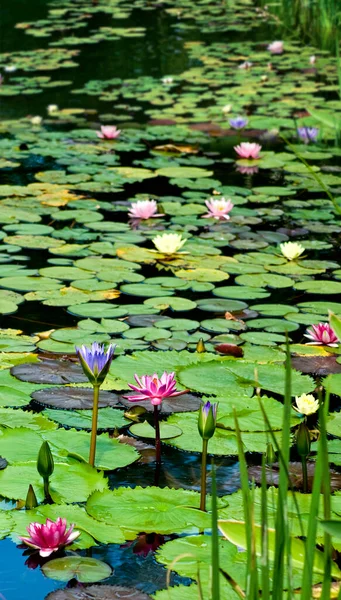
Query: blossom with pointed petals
{"type": "Point", "coordinates": [95, 361]}
{"type": "Point", "coordinates": [306, 404]}
{"type": "Point", "coordinates": [226, 108]}
{"type": "Point", "coordinates": [144, 209]}
{"type": "Point", "coordinates": [52, 108]}
{"type": "Point", "coordinates": [245, 65]}
{"type": "Point", "coordinates": [312, 59]}
{"type": "Point", "coordinates": [37, 120]}
{"type": "Point", "coordinates": [218, 208]}
{"type": "Point", "coordinates": [108, 132]}
{"type": "Point", "coordinates": [150, 387]}
{"type": "Point", "coordinates": [207, 420]}
{"type": "Point", "coordinates": [322, 335]}
{"type": "Point", "coordinates": [291, 250]}
{"type": "Point", "coordinates": [238, 122]}
{"type": "Point", "coordinates": [276, 47]}
{"type": "Point", "coordinates": [50, 536]}
{"type": "Point", "coordinates": [247, 170]}
{"type": "Point", "coordinates": [307, 134]}
{"type": "Point", "coordinates": [249, 150]}
{"type": "Point", "coordinates": [169, 243]}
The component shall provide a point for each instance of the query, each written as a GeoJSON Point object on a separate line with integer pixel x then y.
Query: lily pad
{"type": "Point", "coordinates": [84, 569]}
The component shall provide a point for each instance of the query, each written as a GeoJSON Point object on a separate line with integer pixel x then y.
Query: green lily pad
{"type": "Point", "coordinates": [84, 569]}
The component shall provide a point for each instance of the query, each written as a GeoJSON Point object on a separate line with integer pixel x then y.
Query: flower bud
{"type": "Point", "coordinates": [201, 346]}
{"type": "Point", "coordinates": [45, 463]}
{"type": "Point", "coordinates": [303, 440]}
{"type": "Point", "coordinates": [207, 420]}
{"type": "Point", "coordinates": [31, 499]}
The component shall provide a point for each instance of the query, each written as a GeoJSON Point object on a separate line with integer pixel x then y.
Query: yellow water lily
{"type": "Point", "coordinates": [306, 404]}
{"type": "Point", "coordinates": [291, 250]}
{"type": "Point", "coordinates": [169, 243]}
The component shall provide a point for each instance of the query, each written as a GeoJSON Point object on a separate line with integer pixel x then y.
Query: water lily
{"type": "Point", "coordinates": [276, 47]}
{"type": "Point", "coordinates": [249, 150]}
{"type": "Point", "coordinates": [10, 68]}
{"type": "Point", "coordinates": [169, 243]}
{"type": "Point", "coordinates": [50, 536]}
{"type": "Point", "coordinates": [322, 335]}
{"type": "Point", "coordinates": [245, 65]}
{"type": "Point", "coordinates": [52, 108]}
{"type": "Point", "coordinates": [144, 209]}
{"type": "Point", "coordinates": [37, 120]}
{"type": "Point", "coordinates": [226, 108]}
{"type": "Point", "coordinates": [312, 59]}
{"type": "Point", "coordinates": [307, 134]}
{"type": "Point", "coordinates": [108, 132]}
{"type": "Point", "coordinates": [95, 361]}
{"type": "Point", "coordinates": [150, 387]}
{"type": "Point", "coordinates": [306, 404]}
{"type": "Point", "coordinates": [238, 122]}
{"type": "Point", "coordinates": [218, 208]}
{"type": "Point", "coordinates": [291, 250]}
{"type": "Point", "coordinates": [167, 80]}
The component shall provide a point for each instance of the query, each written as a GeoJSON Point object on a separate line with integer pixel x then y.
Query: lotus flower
{"type": "Point", "coordinates": [169, 243]}
{"type": "Point", "coordinates": [306, 404]}
{"type": "Point", "coordinates": [108, 132]}
{"type": "Point", "coordinates": [307, 134]}
{"type": "Point", "coordinates": [50, 537]}
{"type": "Point", "coordinates": [291, 250]}
{"type": "Point", "coordinates": [248, 150]}
{"type": "Point", "coordinates": [95, 361]}
{"type": "Point", "coordinates": [322, 335]}
{"type": "Point", "coordinates": [245, 65]}
{"type": "Point", "coordinates": [238, 122]}
{"type": "Point", "coordinates": [144, 209]}
{"type": "Point", "coordinates": [276, 47]}
{"type": "Point", "coordinates": [218, 208]}
{"type": "Point", "coordinates": [150, 387]}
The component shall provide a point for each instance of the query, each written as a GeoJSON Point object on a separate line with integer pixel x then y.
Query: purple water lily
{"type": "Point", "coordinates": [238, 122]}
{"type": "Point", "coordinates": [95, 361]}
{"type": "Point", "coordinates": [207, 419]}
{"type": "Point", "coordinates": [307, 134]}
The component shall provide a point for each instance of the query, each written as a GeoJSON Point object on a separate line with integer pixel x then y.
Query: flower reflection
{"type": "Point", "coordinates": [247, 170]}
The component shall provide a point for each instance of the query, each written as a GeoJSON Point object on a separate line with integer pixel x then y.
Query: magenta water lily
{"type": "Point", "coordinates": [50, 537]}
{"type": "Point", "coordinates": [322, 335]}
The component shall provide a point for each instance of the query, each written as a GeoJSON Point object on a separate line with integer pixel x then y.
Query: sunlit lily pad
{"type": "Point", "coordinates": [84, 569]}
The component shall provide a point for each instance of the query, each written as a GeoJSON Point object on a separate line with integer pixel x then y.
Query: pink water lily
{"type": "Point", "coordinates": [144, 209]}
{"type": "Point", "coordinates": [249, 150]}
{"type": "Point", "coordinates": [276, 47]}
{"type": "Point", "coordinates": [50, 536]}
{"type": "Point", "coordinates": [150, 387]}
{"type": "Point", "coordinates": [218, 208]}
{"type": "Point", "coordinates": [108, 132]}
{"type": "Point", "coordinates": [322, 335]}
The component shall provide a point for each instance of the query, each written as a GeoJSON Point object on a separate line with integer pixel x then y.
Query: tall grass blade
{"type": "Point", "coordinates": [265, 535]}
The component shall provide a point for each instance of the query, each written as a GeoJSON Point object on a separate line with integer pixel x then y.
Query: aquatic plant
{"type": "Point", "coordinates": [218, 208]}
{"type": "Point", "coordinates": [108, 132]}
{"type": "Point", "coordinates": [307, 134]}
{"type": "Point", "coordinates": [95, 364]}
{"type": "Point", "coordinates": [45, 466]}
{"type": "Point", "coordinates": [248, 150]}
{"type": "Point", "coordinates": [50, 537]}
{"type": "Point", "coordinates": [207, 422]}
{"type": "Point", "coordinates": [291, 250]}
{"type": "Point", "coordinates": [306, 404]}
{"type": "Point", "coordinates": [238, 122]}
{"type": "Point", "coordinates": [245, 65]}
{"type": "Point", "coordinates": [322, 334]}
{"type": "Point", "coordinates": [144, 209]}
{"type": "Point", "coordinates": [276, 47]}
{"type": "Point", "coordinates": [169, 243]}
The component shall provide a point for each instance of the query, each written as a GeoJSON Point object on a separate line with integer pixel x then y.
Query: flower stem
{"type": "Point", "coordinates": [157, 435]}
{"type": "Point", "coordinates": [203, 475]}
{"type": "Point", "coordinates": [94, 426]}
{"type": "Point", "coordinates": [47, 491]}
{"type": "Point", "coordinates": [305, 474]}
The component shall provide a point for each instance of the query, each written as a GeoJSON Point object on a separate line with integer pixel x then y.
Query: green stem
{"type": "Point", "coordinates": [305, 474]}
{"type": "Point", "coordinates": [94, 426]}
{"type": "Point", "coordinates": [203, 475]}
{"type": "Point", "coordinates": [157, 435]}
{"type": "Point", "coordinates": [47, 491]}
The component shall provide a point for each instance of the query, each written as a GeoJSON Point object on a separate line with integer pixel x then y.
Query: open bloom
{"type": "Point", "coordinates": [306, 404]}
{"type": "Point", "coordinates": [50, 536]}
{"type": "Point", "coordinates": [245, 65]}
{"type": "Point", "coordinates": [150, 387]}
{"type": "Point", "coordinates": [52, 108]}
{"type": "Point", "coordinates": [248, 150]}
{"type": "Point", "coordinates": [207, 420]}
{"type": "Point", "coordinates": [167, 80]}
{"type": "Point", "coordinates": [95, 361]}
{"type": "Point", "coordinates": [307, 134]}
{"type": "Point", "coordinates": [276, 47]}
{"type": "Point", "coordinates": [226, 108]}
{"type": "Point", "coordinates": [322, 335]}
{"type": "Point", "coordinates": [37, 120]}
{"type": "Point", "coordinates": [169, 243]}
{"type": "Point", "coordinates": [144, 209]}
{"type": "Point", "coordinates": [238, 122]}
{"type": "Point", "coordinates": [218, 208]}
{"type": "Point", "coordinates": [108, 132]}
{"type": "Point", "coordinates": [291, 250]}
{"type": "Point", "coordinates": [312, 59]}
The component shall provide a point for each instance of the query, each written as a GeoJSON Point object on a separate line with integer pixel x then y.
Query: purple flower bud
{"type": "Point", "coordinates": [207, 420]}
{"type": "Point", "coordinates": [238, 122]}
{"type": "Point", "coordinates": [95, 361]}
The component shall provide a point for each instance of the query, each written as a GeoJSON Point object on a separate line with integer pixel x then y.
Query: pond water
{"type": "Point", "coordinates": [74, 268]}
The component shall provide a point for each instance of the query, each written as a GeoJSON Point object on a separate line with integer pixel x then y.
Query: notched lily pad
{"type": "Point", "coordinates": [69, 398]}
{"type": "Point", "coordinates": [53, 371]}
{"type": "Point", "coordinates": [316, 365]}
{"type": "Point", "coordinates": [83, 569]}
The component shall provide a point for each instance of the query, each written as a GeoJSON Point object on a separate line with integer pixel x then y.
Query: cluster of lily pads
{"type": "Point", "coordinates": [192, 221]}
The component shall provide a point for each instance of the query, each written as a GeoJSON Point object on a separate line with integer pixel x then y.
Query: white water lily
{"type": "Point", "coordinates": [306, 404]}
{"type": "Point", "coordinates": [52, 108]}
{"type": "Point", "coordinates": [291, 250]}
{"type": "Point", "coordinates": [37, 120]}
{"type": "Point", "coordinates": [169, 243]}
